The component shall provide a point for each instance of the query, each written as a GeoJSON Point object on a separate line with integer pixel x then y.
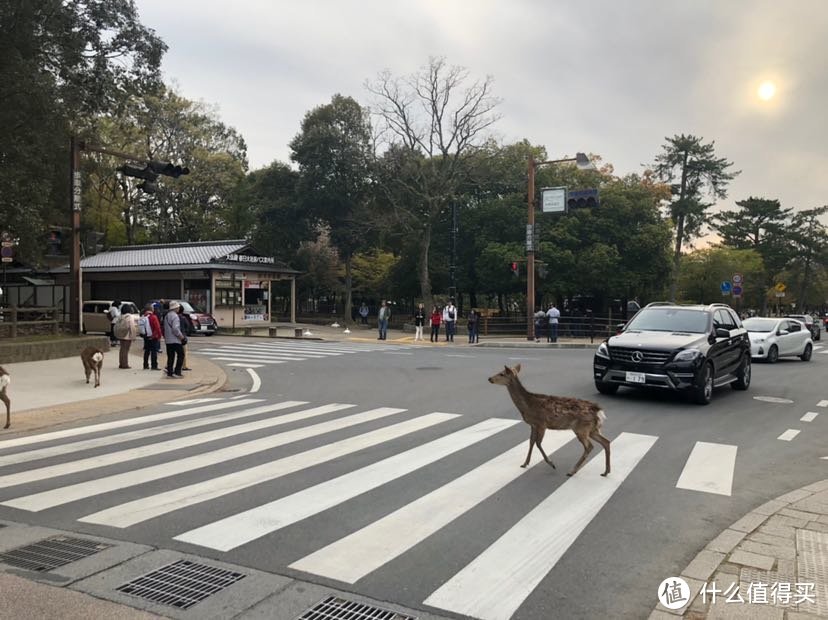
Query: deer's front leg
{"type": "Point", "coordinates": [538, 439]}
{"type": "Point", "coordinates": [532, 437]}
{"type": "Point", "coordinates": [5, 399]}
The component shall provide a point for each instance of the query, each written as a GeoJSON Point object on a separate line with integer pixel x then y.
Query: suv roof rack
{"type": "Point", "coordinates": [653, 304]}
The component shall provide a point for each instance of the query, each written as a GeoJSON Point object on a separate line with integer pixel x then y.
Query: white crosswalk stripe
{"type": "Point", "coordinates": [709, 469]}
{"type": "Point", "coordinates": [263, 352]}
{"type": "Point", "coordinates": [492, 585]}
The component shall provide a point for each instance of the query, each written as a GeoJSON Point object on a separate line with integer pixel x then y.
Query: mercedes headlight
{"type": "Point", "coordinates": [603, 351]}
{"type": "Point", "coordinates": [687, 355]}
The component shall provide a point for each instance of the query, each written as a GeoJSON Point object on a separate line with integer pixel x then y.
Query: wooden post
{"type": "Point", "coordinates": [56, 319]}
{"type": "Point", "coordinates": [14, 321]}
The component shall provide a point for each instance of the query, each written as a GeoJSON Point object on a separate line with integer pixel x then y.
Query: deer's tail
{"type": "Point", "coordinates": [98, 357]}
{"type": "Point", "coordinates": [4, 381]}
{"type": "Point", "coordinates": [602, 417]}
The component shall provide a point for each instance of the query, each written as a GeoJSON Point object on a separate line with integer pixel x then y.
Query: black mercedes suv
{"type": "Point", "coordinates": [690, 349]}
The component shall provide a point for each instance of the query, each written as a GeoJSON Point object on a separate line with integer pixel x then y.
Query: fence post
{"type": "Point", "coordinates": [56, 325]}
{"type": "Point", "coordinates": [591, 327]}
{"type": "Point", "coordinates": [14, 321]}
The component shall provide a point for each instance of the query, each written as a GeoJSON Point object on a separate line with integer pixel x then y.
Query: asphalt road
{"type": "Point", "coordinates": [317, 508]}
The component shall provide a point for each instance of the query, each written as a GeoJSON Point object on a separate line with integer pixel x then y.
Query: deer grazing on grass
{"type": "Point", "coordinates": [92, 359]}
{"type": "Point", "coordinates": [543, 412]}
{"type": "Point", "coordinates": [5, 379]}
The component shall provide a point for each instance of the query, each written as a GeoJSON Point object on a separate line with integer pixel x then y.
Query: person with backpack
{"type": "Point", "coordinates": [450, 319]}
{"type": "Point", "coordinates": [175, 340]}
{"type": "Point", "coordinates": [125, 331]}
{"type": "Point", "coordinates": [149, 327]}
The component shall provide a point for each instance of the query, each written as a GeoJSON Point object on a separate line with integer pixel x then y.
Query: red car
{"type": "Point", "coordinates": [202, 322]}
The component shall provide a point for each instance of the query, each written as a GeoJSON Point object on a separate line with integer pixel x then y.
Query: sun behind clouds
{"type": "Point", "coordinates": [766, 90]}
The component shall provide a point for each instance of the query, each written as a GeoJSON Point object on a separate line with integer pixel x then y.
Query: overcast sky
{"type": "Point", "coordinates": [611, 77]}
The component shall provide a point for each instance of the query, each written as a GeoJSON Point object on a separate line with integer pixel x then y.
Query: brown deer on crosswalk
{"type": "Point", "coordinates": [5, 379]}
{"type": "Point", "coordinates": [542, 412]}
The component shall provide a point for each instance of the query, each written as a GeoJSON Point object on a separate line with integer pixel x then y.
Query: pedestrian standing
{"type": "Point", "coordinates": [553, 314]}
{"type": "Point", "coordinates": [126, 331]}
{"type": "Point", "coordinates": [114, 312]}
{"type": "Point", "coordinates": [540, 319]}
{"type": "Point", "coordinates": [383, 317]}
{"type": "Point", "coordinates": [436, 317]}
{"type": "Point", "coordinates": [419, 322]}
{"type": "Point", "coordinates": [175, 340]}
{"type": "Point", "coordinates": [450, 319]}
{"type": "Point", "coordinates": [363, 313]}
{"type": "Point", "coordinates": [471, 325]}
{"type": "Point", "coordinates": [186, 329]}
{"type": "Point", "coordinates": [152, 338]}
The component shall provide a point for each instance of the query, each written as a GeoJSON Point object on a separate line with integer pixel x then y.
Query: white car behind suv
{"type": "Point", "coordinates": [772, 338]}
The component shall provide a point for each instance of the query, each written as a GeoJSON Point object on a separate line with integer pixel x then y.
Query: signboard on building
{"type": "Point", "coordinates": [553, 199]}
{"type": "Point", "coordinates": [244, 258]}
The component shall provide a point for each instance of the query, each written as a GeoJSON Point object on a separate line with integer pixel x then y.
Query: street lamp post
{"type": "Point", "coordinates": [583, 162]}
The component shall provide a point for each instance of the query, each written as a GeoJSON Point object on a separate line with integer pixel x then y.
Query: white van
{"type": "Point", "coordinates": [96, 314]}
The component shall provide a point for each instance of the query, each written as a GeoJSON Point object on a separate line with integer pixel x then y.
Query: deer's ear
{"type": "Point", "coordinates": [508, 370]}
{"type": "Point", "coordinates": [517, 368]}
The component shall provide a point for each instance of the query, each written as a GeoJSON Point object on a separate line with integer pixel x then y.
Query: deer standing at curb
{"type": "Point", "coordinates": [5, 379]}
{"type": "Point", "coordinates": [542, 412]}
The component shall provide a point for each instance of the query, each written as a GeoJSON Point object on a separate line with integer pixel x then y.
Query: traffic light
{"type": "Point", "coordinates": [515, 268]}
{"type": "Point", "coordinates": [149, 185]}
{"type": "Point", "coordinates": [582, 199]}
{"type": "Point", "coordinates": [167, 169]}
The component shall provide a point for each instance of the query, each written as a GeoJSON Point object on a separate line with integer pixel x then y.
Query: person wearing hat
{"type": "Point", "coordinates": [175, 340]}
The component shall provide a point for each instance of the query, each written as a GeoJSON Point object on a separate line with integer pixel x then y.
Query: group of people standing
{"type": "Point", "coordinates": [448, 317]}
{"type": "Point", "coordinates": [159, 319]}
{"type": "Point", "coordinates": [547, 321]}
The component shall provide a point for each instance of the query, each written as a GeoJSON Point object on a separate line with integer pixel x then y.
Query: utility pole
{"type": "Point", "coordinates": [453, 264]}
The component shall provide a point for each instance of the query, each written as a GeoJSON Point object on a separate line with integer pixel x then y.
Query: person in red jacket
{"type": "Point", "coordinates": [152, 337]}
{"type": "Point", "coordinates": [436, 317]}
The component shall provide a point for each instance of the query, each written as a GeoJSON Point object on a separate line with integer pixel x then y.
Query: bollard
{"type": "Point", "coordinates": [297, 333]}
{"type": "Point", "coordinates": [272, 331]}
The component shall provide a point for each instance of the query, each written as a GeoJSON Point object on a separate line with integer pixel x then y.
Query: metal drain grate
{"type": "Point", "coordinates": [51, 553]}
{"type": "Point", "coordinates": [336, 608]}
{"type": "Point", "coordinates": [181, 584]}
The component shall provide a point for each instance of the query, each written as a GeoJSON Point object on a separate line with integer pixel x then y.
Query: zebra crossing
{"type": "Point", "coordinates": [80, 464]}
{"type": "Point", "coordinates": [264, 353]}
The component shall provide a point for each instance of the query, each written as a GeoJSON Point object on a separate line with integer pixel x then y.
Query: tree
{"type": "Point", "coordinates": [61, 65]}
{"type": "Point", "coordinates": [334, 153]}
{"type": "Point", "coordinates": [810, 240]}
{"type": "Point", "coordinates": [759, 224]}
{"type": "Point", "coordinates": [699, 173]}
{"type": "Point", "coordinates": [703, 271]}
{"type": "Point", "coordinates": [431, 122]}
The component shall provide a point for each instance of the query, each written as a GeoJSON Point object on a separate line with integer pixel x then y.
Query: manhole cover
{"type": "Point", "coordinates": [336, 608]}
{"type": "Point", "coordinates": [773, 399]}
{"type": "Point", "coordinates": [51, 553]}
{"type": "Point", "coordinates": [181, 584]}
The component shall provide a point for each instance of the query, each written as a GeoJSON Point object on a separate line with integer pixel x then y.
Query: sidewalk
{"type": "Point", "coordinates": [772, 564]}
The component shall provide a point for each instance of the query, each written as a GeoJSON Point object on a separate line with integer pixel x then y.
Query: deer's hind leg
{"type": "Point", "coordinates": [532, 437]}
{"type": "Point", "coordinates": [605, 443]}
{"type": "Point", "coordinates": [539, 433]}
{"type": "Point", "coordinates": [5, 398]}
{"type": "Point", "coordinates": [87, 370]}
{"type": "Point", "coordinates": [583, 437]}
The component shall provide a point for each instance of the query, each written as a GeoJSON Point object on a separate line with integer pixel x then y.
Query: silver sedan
{"type": "Point", "coordinates": [772, 338]}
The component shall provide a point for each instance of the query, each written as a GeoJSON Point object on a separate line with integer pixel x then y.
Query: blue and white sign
{"type": "Point", "coordinates": [737, 291]}
{"type": "Point", "coordinates": [725, 287]}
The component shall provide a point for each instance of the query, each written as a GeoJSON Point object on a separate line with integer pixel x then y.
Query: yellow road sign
{"type": "Point", "coordinates": [780, 287]}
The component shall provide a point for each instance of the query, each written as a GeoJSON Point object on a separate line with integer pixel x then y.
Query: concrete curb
{"type": "Point", "coordinates": [759, 547]}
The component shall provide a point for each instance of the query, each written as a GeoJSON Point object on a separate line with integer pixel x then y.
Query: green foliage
{"type": "Point", "coordinates": [703, 271]}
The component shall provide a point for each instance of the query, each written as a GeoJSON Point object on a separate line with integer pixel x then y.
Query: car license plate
{"type": "Point", "coordinates": [635, 377]}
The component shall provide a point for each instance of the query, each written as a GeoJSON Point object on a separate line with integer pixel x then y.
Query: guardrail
{"type": "Point", "coordinates": [13, 318]}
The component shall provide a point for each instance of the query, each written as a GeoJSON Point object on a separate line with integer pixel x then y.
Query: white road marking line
{"type": "Point", "coordinates": [291, 352]}
{"type": "Point", "coordinates": [823, 403]}
{"type": "Point", "coordinates": [81, 490]}
{"type": "Point", "coordinates": [244, 359]}
{"type": "Point", "coordinates": [193, 401]}
{"type": "Point", "coordinates": [244, 366]}
{"type": "Point", "coordinates": [152, 449]}
{"type": "Point", "coordinates": [824, 352]}
{"type": "Point", "coordinates": [351, 558]}
{"type": "Point", "coordinates": [246, 526]}
{"type": "Point", "coordinates": [496, 582]}
{"type": "Point", "coordinates": [106, 426]}
{"type": "Point", "coordinates": [397, 353]}
{"type": "Point", "coordinates": [262, 356]}
{"type": "Point", "coordinates": [174, 499]}
{"type": "Point", "coordinates": [75, 447]}
{"type": "Point", "coordinates": [239, 396]}
{"type": "Point", "coordinates": [809, 417]}
{"type": "Point", "coordinates": [709, 469]}
{"type": "Point", "coordinates": [257, 382]}
{"type": "Point", "coordinates": [817, 347]}
{"type": "Point", "coordinates": [789, 434]}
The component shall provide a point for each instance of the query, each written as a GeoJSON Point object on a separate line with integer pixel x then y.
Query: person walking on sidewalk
{"type": "Point", "coordinates": [419, 322]}
{"type": "Point", "coordinates": [450, 319]}
{"type": "Point", "coordinates": [435, 324]}
{"type": "Point", "coordinates": [383, 317]}
{"type": "Point", "coordinates": [471, 325]}
{"type": "Point", "coordinates": [152, 338]}
{"type": "Point", "coordinates": [175, 340]}
{"type": "Point", "coordinates": [553, 314]}
{"type": "Point", "coordinates": [114, 312]}
{"type": "Point", "coordinates": [125, 331]}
